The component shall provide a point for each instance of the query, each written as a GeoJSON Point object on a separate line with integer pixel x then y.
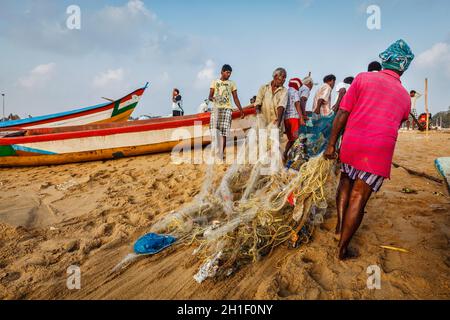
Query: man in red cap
{"type": "Point", "coordinates": [293, 113]}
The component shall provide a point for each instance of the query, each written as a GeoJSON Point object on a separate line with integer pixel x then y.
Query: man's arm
{"type": "Point", "coordinates": [281, 107]}
{"type": "Point", "coordinates": [259, 99]}
{"type": "Point", "coordinates": [211, 95]}
{"type": "Point", "coordinates": [303, 101]}
{"type": "Point", "coordinates": [338, 102]}
{"type": "Point", "coordinates": [338, 125]}
{"type": "Point", "coordinates": [238, 103]}
{"type": "Point", "coordinates": [280, 113]}
{"type": "Point", "coordinates": [298, 107]}
{"type": "Point", "coordinates": [319, 106]}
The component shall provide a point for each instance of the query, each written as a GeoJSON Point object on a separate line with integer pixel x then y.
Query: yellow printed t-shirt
{"type": "Point", "coordinates": [223, 93]}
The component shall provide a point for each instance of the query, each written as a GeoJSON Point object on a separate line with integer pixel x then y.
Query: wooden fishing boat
{"type": "Point", "coordinates": [114, 111]}
{"type": "Point", "coordinates": [50, 146]}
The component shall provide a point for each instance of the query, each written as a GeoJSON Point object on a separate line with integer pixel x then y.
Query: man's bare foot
{"type": "Point", "coordinates": [337, 237]}
{"type": "Point", "coordinates": [347, 254]}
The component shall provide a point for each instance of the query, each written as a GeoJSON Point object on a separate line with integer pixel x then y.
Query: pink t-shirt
{"type": "Point", "coordinates": [378, 104]}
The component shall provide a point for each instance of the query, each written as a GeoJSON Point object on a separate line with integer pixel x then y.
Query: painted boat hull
{"type": "Point", "coordinates": [114, 111]}
{"type": "Point", "coordinates": [111, 141]}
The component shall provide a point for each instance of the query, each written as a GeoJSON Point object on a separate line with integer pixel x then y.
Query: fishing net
{"type": "Point", "coordinates": [256, 206]}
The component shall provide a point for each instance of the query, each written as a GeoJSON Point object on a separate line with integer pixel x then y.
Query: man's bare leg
{"type": "Point", "coordinates": [288, 147]}
{"type": "Point", "coordinates": [353, 215]}
{"type": "Point", "coordinates": [342, 198]}
{"type": "Point", "coordinates": [224, 145]}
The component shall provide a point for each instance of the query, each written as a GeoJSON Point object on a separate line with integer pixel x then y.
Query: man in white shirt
{"type": "Point", "coordinates": [295, 113]}
{"type": "Point", "coordinates": [304, 92]}
{"type": "Point", "coordinates": [322, 100]}
{"type": "Point", "coordinates": [341, 90]}
{"type": "Point", "coordinates": [414, 96]}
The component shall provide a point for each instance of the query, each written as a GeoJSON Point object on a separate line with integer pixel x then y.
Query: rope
{"type": "Point", "coordinates": [259, 220]}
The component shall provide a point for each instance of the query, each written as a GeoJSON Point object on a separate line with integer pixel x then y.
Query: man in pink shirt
{"type": "Point", "coordinates": [371, 113]}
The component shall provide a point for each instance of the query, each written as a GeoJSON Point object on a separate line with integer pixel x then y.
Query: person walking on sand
{"type": "Point", "coordinates": [322, 99]}
{"type": "Point", "coordinates": [368, 143]}
{"type": "Point", "coordinates": [414, 96]}
{"type": "Point", "coordinates": [220, 93]}
{"type": "Point", "coordinates": [177, 103]}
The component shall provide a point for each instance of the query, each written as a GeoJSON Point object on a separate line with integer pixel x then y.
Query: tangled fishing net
{"type": "Point", "coordinates": [255, 207]}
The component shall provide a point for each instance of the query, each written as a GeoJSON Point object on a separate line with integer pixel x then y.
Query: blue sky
{"type": "Point", "coordinates": [122, 44]}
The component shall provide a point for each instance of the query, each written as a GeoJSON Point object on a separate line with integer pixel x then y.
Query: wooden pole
{"type": "Point", "coordinates": [426, 104]}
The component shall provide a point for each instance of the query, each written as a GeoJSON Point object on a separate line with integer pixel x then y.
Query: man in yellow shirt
{"type": "Point", "coordinates": [272, 99]}
{"type": "Point", "coordinates": [220, 93]}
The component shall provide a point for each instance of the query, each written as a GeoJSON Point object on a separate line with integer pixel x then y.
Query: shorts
{"type": "Point", "coordinates": [414, 113]}
{"type": "Point", "coordinates": [223, 121]}
{"type": "Point", "coordinates": [373, 180]}
{"type": "Point", "coordinates": [292, 127]}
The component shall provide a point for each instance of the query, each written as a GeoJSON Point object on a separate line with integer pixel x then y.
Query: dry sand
{"type": "Point", "coordinates": [90, 215]}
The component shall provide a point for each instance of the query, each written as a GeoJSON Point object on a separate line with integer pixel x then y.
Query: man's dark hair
{"type": "Point", "coordinates": [227, 67]}
{"type": "Point", "coordinates": [176, 90]}
{"type": "Point", "coordinates": [413, 91]}
{"type": "Point", "coordinates": [349, 80]}
{"type": "Point", "coordinates": [374, 66]}
{"type": "Point", "coordinates": [328, 78]}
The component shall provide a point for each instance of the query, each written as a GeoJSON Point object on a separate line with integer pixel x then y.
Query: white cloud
{"type": "Point", "coordinates": [106, 78]}
{"type": "Point", "coordinates": [132, 10]}
{"type": "Point", "coordinates": [38, 76]}
{"type": "Point", "coordinates": [437, 56]}
{"type": "Point", "coordinates": [137, 6]}
{"type": "Point", "coordinates": [129, 28]}
{"type": "Point", "coordinates": [206, 74]}
{"type": "Point", "coordinates": [208, 71]}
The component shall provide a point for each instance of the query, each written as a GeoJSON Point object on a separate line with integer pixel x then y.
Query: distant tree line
{"type": "Point", "coordinates": [445, 116]}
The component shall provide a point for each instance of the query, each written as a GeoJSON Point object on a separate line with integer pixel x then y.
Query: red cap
{"type": "Point", "coordinates": [295, 83]}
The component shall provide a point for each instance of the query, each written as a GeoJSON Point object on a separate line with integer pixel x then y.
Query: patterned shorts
{"type": "Point", "coordinates": [223, 121]}
{"type": "Point", "coordinates": [373, 180]}
{"type": "Point", "coordinates": [414, 112]}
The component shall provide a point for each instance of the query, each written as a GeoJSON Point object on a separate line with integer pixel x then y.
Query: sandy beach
{"type": "Point", "coordinates": [90, 214]}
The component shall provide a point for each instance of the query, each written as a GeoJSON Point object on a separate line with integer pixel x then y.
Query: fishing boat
{"type": "Point", "coordinates": [51, 146]}
{"type": "Point", "coordinates": [112, 111]}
